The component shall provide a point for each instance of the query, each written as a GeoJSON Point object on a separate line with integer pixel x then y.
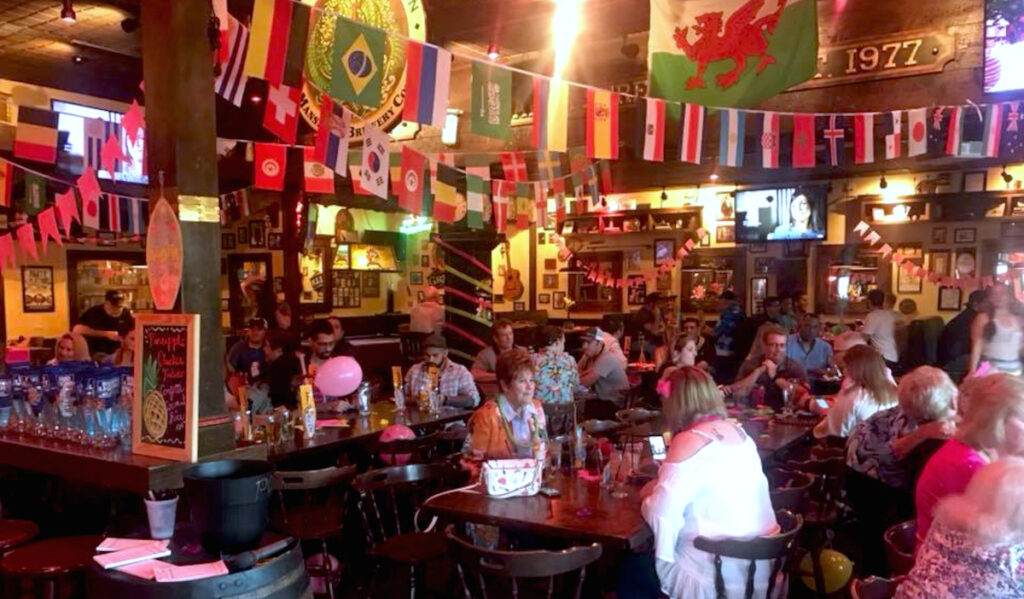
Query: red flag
{"type": "Point", "coordinates": [27, 240]}
{"type": "Point", "coordinates": [281, 116]}
{"type": "Point", "coordinates": [269, 162]}
{"type": "Point", "coordinates": [803, 141]}
{"type": "Point", "coordinates": [413, 181]}
{"type": "Point", "coordinates": [111, 153]}
{"type": "Point", "coordinates": [132, 121]}
{"type": "Point", "coordinates": [68, 210]}
{"type": "Point", "coordinates": [6, 181]}
{"type": "Point", "coordinates": [864, 138]}
{"type": "Point", "coordinates": [7, 257]}
{"type": "Point", "coordinates": [514, 166]}
{"type": "Point", "coordinates": [47, 221]}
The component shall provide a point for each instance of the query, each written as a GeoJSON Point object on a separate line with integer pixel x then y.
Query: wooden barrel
{"type": "Point", "coordinates": [281, 577]}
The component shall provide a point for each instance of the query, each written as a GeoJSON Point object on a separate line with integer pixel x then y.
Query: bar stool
{"type": "Point", "coordinates": [15, 533]}
{"type": "Point", "coordinates": [59, 565]}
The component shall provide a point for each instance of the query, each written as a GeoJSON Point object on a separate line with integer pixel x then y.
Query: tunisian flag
{"type": "Point", "coordinates": [269, 163]}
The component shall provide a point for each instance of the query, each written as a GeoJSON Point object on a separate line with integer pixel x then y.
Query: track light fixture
{"type": "Point", "coordinates": [664, 194]}
{"type": "Point", "coordinates": [1007, 177]}
{"type": "Point", "coordinates": [882, 183]}
{"type": "Point", "coordinates": [67, 13]}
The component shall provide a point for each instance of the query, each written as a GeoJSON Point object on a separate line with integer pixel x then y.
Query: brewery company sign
{"type": "Point", "coordinates": [400, 19]}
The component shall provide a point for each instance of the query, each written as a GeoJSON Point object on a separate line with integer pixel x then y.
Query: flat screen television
{"type": "Point", "coordinates": [788, 213]}
{"type": "Point", "coordinates": [1004, 45]}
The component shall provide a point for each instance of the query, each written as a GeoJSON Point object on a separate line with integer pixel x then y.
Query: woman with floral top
{"type": "Point", "coordinates": [975, 548]}
{"type": "Point", "coordinates": [511, 425]}
{"type": "Point", "coordinates": [555, 375]}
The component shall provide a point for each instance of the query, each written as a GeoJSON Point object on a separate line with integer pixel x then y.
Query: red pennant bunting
{"type": "Point", "coordinates": [47, 222]}
{"type": "Point", "coordinates": [111, 152]}
{"type": "Point", "coordinates": [68, 210]}
{"type": "Point", "coordinates": [27, 240]}
{"type": "Point", "coordinates": [132, 121]}
{"type": "Point", "coordinates": [7, 257]}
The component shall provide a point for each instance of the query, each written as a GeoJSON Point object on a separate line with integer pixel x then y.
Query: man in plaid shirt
{"type": "Point", "coordinates": [456, 383]}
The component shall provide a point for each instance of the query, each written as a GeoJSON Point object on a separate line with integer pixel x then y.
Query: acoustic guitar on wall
{"type": "Point", "coordinates": [513, 287]}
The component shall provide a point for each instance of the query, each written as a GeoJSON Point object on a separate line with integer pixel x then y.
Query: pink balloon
{"type": "Point", "coordinates": [395, 432]}
{"type": "Point", "coordinates": [339, 376]}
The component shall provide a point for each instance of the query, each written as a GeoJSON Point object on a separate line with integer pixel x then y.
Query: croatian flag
{"type": "Point", "coordinates": [331, 147]}
{"type": "Point", "coordinates": [730, 138]}
{"type": "Point", "coordinates": [428, 73]}
{"type": "Point", "coordinates": [692, 133]}
{"type": "Point", "coordinates": [770, 140]}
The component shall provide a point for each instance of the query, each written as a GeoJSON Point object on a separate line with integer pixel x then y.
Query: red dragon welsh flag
{"type": "Point", "coordinates": [730, 52]}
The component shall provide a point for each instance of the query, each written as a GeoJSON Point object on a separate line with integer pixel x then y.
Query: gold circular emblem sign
{"type": "Point", "coordinates": [401, 17]}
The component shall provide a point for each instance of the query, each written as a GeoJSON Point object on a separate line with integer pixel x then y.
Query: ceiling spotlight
{"type": "Point", "coordinates": [256, 99]}
{"type": "Point", "coordinates": [664, 194]}
{"type": "Point", "coordinates": [77, 59]}
{"type": "Point", "coordinates": [714, 176]}
{"type": "Point", "coordinates": [882, 183]}
{"type": "Point", "coordinates": [67, 13]}
{"type": "Point", "coordinates": [492, 52]}
{"type": "Point", "coordinates": [1007, 177]}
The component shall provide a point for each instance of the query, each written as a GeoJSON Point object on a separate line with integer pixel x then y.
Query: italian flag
{"type": "Point", "coordinates": [730, 52]}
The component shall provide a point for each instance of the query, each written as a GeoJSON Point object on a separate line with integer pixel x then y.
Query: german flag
{"type": "Point", "coordinates": [277, 41]}
{"type": "Point", "coordinates": [36, 136]}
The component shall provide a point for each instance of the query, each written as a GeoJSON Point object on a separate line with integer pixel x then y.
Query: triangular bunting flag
{"type": "Point", "coordinates": [27, 240]}
{"type": "Point", "coordinates": [7, 257]}
{"type": "Point", "coordinates": [47, 221]}
{"type": "Point", "coordinates": [68, 209]}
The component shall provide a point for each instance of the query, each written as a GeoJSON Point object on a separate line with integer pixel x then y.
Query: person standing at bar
{"type": "Point", "coordinates": [997, 334]}
{"type": "Point", "coordinates": [788, 318]}
{"type": "Point", "coordinates": [880, 327]}
{"type": "Point", "coordinates": [102, 325]}
{"type": "Point", "coordinates": [427, 316]}
{"type": "Point", "coordinates": [651, 323]}
{"type": "Point", "coordinates": [730, 317]}
{"type": "Point", "coordinates": [955, 339]}
{"type": "Point", "coordinates": [247, 356]}
{"type": "Point", "coordinates": [454, 381]}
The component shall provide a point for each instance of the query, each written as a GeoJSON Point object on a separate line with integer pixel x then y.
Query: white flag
{"type": "Point", "coordinates": [917, 131]}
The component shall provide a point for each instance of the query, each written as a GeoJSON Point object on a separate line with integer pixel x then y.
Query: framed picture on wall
{"type": "Point", "coordinates": [274, 241]}
{"type": "Point", "coordinates": [663, 281]}
{"type": "Point", "coordinates": [725, 234]}
{"type": "Point", "coordinates": [965, 265]}
{"type": "Point", "coordinates": [706, 240]}
{"type": "Point", "coordinates": [664, 250]}
{"type": "Point", "coordinates": [257, 234]}
{"type": "Point", "coordinates": [949, 299]}
{"type": "Point", "coordinates": [519, 306]}
{"type": "Point", "coordinates": [543, 298]}
{"type": "Point", "coordinates": [758, 291]}
{"type": "Point", "coordinates": [558, 300]}
{"type": "Point", "coordinates": [758, 247]}
{"type": "Point", "coordinates": [636, 291]}
{"type": "Point", "coordinates": [541, 238]}
{"type": "Point", "coordinates": [37, 289]}
{"type": "Point", "coordinates": [227, 241]}
{"type": "Point", "coordinates": [371, 284]}
{"type": "Point", "coordinates": [415, 278]}
{"type": "Point", "coordinates": [425, 261]}
{"type": "Point", "coordinates": [278, 284]}
{"type": "Point", "coordinates": [499, 299]}
{"type": "Point", "coordinates": [243, 235]}
{"type": "Point", "coordinates": [939, 235]}
{"type": "Point", "coordinates": [550, 264]}
{"type": "Point", "coordinates": [907, 282]}
{"type": "Point", "coordinates": [550, 282]}
{"type": "Point", "coordinates": [938, 263]}
{"type": "Point", "coordinates": [965, 235]}
{"type": "Point", "coordinates": [974, 181]}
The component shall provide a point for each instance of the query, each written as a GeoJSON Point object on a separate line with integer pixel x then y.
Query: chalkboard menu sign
{"type": "Point", "coordinates": [165, 411]}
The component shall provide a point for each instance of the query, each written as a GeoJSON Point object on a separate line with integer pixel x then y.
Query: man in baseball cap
{"type": "Point", "coordinates": [437, 372]}
{"type": "Point", "coordinates": [101, 325]}
{"type": "Point", "coordinates": [600, 369]}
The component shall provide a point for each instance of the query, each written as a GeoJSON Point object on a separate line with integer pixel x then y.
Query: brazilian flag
{"type": "Point", "coordinates": [357, 63]}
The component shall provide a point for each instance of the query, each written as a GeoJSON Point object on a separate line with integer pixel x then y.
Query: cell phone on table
{"type": "Point", "coordinates": [658, 450]}
{"type": "Point", "coordinates": [822, 402]}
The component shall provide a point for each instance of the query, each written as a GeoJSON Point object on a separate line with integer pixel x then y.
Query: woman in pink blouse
{"type": "Point", "coordinates": [992, 426]}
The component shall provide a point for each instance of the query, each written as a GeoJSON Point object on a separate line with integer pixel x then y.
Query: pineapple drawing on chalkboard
{"type": "Point", "coordinates": [154, 408]}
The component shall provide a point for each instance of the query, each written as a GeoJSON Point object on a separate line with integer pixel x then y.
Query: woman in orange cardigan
{"type": "Point", "coordinates": [511, 425]}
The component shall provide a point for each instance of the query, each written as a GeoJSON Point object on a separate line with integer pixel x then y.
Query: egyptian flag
{"type": "Point", "coordinates": [651, 118]}
{"type": "Point", "coordinates": [917, 131]}
{"type": "Point", "coordinates": [36, 135]}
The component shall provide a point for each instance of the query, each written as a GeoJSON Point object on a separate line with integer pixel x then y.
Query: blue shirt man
{"type": "Point", "coordinates": [808, 348]}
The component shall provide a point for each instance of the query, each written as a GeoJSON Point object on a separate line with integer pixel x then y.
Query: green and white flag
{"type": "Point", "coordinates": [476, 189]}
{"type": "Point", "coordinates": [35, 194]}
{"type": "Point", "coordinates": [730, 52]}
{"type": "Point", "coordinates": [491, 104]}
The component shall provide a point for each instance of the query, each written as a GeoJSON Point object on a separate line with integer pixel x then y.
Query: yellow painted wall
{"type": "Point", "coordinates": [37, 324]}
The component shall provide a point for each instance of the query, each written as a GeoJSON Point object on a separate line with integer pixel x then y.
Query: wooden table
{"type": "Point", "coordinates": [584, 512]}
{"type": "Point", "coordinates": [770, 435]}
{"type": "Point", "coordinates": [113, 468]}
{"type": "Point", "coordinates": [363, 428]}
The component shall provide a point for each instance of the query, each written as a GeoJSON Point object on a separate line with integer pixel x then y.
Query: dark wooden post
{"type": "Point", "coordinates": [181, 141]}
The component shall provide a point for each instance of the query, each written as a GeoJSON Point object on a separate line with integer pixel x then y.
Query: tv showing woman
{"type": "Point", "coordinates": [802, 222]}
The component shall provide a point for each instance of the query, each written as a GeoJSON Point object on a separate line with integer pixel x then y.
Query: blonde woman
{"type": "Point", "coordinates": [71, 347]}
{"type": "Point", "coordinates": [975, 548]}
{"type": "Point", "coordinates": [866, 389]}
{"type": "Point", "coordinates": [692, 496]}
{"type": "Point", "coordinates": [992, 426]}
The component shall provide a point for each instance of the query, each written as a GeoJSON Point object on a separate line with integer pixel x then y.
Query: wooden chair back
{"type": "Point", "coordinates": [411, 344]}
{"type": "Point", "coordinates": [560, 418]}
{"type": "Point", "coordinates": [777, 548]}
{"type": "Point", "coordinates": [489, 573]}
{"type": "Point", "coordinates": [900, 540]}
{"type": "Point", "coordinates": [421, 450]}
{"type": "Point", "coordinates": [789, 490]}
{"type": "Point", "coordinates": [302, 492]}
{"type": "Point", "coordinates": [389, 498]}
{"type": "Point", "coordinates": [874, 587]}
{"type": "Point", "coordinates": [824, 494]}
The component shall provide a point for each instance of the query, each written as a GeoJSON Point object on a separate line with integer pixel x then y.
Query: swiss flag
{"type": "Point", "coordinates": [281, 116]}
{"type": "Point", "coordinates": [269, 162]}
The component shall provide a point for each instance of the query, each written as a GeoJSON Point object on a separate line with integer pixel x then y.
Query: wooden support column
{"type": "Point", "coordinates": [181, 136]}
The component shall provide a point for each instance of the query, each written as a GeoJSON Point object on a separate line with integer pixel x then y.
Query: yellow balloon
{"type": "Point", "coordinates": [836, 569]}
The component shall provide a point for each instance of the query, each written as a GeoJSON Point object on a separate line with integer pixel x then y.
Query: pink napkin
{"type": "Point", "coordinates": [132, 555]}
{"type": "Point", "coordinates": [144, 569]}
{"type": "Point", "coordinates": [172, 573]}
{"type": "Point", "coordinates": [118, 544]}
{"type": "Point", "coordinates": [333, 423]}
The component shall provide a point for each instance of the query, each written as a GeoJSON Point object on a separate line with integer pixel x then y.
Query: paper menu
{"type": "Point", "coordinates": [139, 553]}
{"type": "Point", "coordinates": [120, 544]}
{"type": "Point", "coordinates": [146, 569]}
{"type": "Point", "coordinates": [172, 573]}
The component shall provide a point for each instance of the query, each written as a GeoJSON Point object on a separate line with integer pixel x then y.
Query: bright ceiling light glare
{"type": "Point", "coordinates": [492, 52]}
{"type": "Point", "coordinates": [714, 176]}
{"type": "Point", "coordinates": [67, 13]}
{"type": "Point", "coordinates": [565, 24]}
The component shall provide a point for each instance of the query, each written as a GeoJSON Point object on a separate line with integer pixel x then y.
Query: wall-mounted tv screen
{"type": "Point", "coordinates": [1004, 45]}
{"type": "Point", "coordinates": [781, 214]}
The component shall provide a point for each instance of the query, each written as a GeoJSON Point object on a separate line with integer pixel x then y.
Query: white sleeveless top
{"type": "Point", "coordinates": [1003, 349]}
{"type": "Point", "coordinates": [720, 491]}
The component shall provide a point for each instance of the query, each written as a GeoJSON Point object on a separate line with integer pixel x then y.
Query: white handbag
{"type": "Point", "coordinates": [511, 478]}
